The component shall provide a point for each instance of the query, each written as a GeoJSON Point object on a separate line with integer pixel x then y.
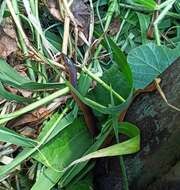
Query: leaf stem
{"type": "Point", "coordinates": [102, 83]}
{"type": "Point", "coordinates": [159, 18]}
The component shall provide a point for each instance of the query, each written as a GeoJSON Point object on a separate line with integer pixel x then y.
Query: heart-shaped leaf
{"type": "Point", "coordinates": [148, 61]}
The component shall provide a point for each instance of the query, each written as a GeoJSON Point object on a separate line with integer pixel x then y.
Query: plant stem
{"type": "Point", "coordinates": [141, 9]}
{"type": "Point", "coordinates": [159, 18]}
{"type": "Point", "coordinates": [8, 117]}
{"type": "Point", "coordinates": [102, 83]}
{"type": "Point", "coordinates": [112, 8]}
{"type": "Point", "coordinates": [121, 160]}
{"type": "Point", "coordinates": [13, 8]}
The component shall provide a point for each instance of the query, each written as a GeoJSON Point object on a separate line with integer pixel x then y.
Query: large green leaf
{"type": "Point", "coordinates": [73, 171]}
{"type": "Point", "coordinates": [129, 146]}
{"type": "Point", "coordinates": [148, 61]}
{"type": "Point", "coordinates": [60, 151]}
{"type": "Point", "coordinates": [65, 144]}
{"type": "Point", "coordinates": [56, 124]}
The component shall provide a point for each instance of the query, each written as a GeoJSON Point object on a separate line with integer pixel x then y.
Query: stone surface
{"type": "Point", "coordinates": [160, 145]}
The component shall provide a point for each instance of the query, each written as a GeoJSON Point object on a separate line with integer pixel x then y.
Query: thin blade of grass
{"type": "Point", "coordinates": [7, 135]}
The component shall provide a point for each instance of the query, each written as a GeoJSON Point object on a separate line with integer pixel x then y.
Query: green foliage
{"type": "Point", "coordinates": [60, 151]}
{"type": "Point", "coordinates": [144, 22]}
{"type": "Point", "coordinates": [10, 136]}
{"type": "Point", "coordinates": [64, 147]}
{"type": "Point", "coordinates": [10, 76]}
{"type": "Point", "coordinates": [148, 61]}
{"type": "Point", "coordinates": [66, 144]}
{"type": "Point", "coordinates": [150, 4]}
{"type": "Point", "coordinates": [116, 79]}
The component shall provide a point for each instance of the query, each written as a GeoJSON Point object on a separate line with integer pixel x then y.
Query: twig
{"type": "Point", "coordinates": [91, 31]}
{"type": "Point", "coordinates": [157, 81]}
{"type": "Point", "coordinates": [154, 17]}
{"type": "Point", "coordinates": [159, 18]}
{"type": "Point", "coordinates": [66, 34]}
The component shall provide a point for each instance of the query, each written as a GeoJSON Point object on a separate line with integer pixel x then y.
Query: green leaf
{"type": "Point", "coordinates": [9, 96]}
{"type": "Point", "coordinates": [55, 123]}
{"type": "Point", "coordinates": [148, 61]}
{"type": "Point", "coordinates": [149, 4]}
{"type": "Point", "coordinates": [60, 125]}
{"type": "Point", "coordinates": [118, 82]}
{"type": "Point", "coordinates": [83, 172]}
{"type": "Point", "coordinates": [122, 71]}
{"type": "Point", "coordinates": [66, 176]}
{"type": "Point", "coordinates": [65, 144]}
{"type": "Point", "coordinates": [10, 76]}
{"type": "Point", "coordinates": [76, 169]}
{"type": "Point", "coordinates": [7, 135]}
{"type": "Point", "coordinates": [127, 147]}
{"type": "Point", "coordinates": [60, 151]}
{"type": "Point", "coordinates": [144, 21]}
{"type": "Point", "coordinates": [177, 5]}
{"type": "Point", "coordinates": [54, 39]}
{"type": "Point", "coordinates": [120, 59]}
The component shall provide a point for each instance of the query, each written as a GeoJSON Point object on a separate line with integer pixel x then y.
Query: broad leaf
{"type": "Point", "coordinates": [148, 61]}
{"type": "Point", "coordinates": [62, 150]}
{"type": "Point", "coordinates": [76, 169]}
{"type": "Point", "coordinates": [56, 123]}
{"type": "Point", "coordinates": [129, 146]}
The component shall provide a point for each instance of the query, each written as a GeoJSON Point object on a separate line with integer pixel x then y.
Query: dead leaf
{"type": "Point", "coordinates": [25, 93]}
{"type": "Point", "coordinates": [30, 119]}
{"type": "Point", "coordinates": [22, 71]}
{"type": "Point", "coordinates": [81, 12]}
{"type": "Point", "coordinates": [114, 27]}
{"type": "Point", "coordinates": [9, 28]}
{"type": "Point", "coordinates": [28, 132]}
{"type": "Point", "coordinates": [53, 6]}
{"type": "Point", "coordinates": [7, 44]}
{"type": "Point", "coordinates": [38, 116]}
